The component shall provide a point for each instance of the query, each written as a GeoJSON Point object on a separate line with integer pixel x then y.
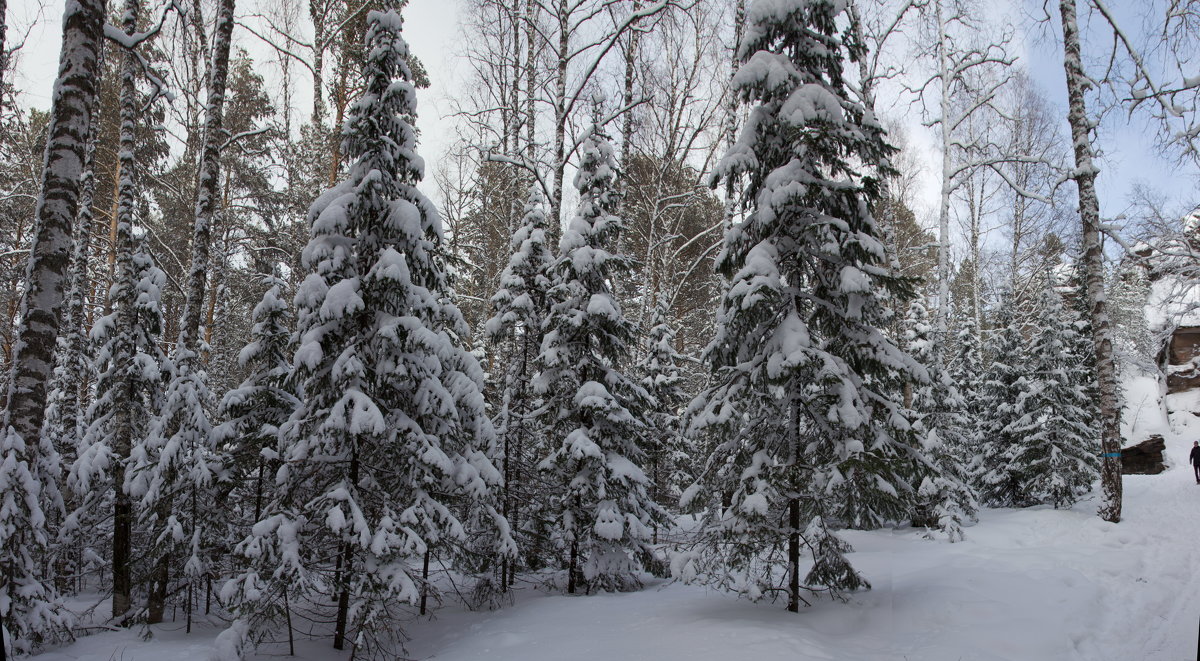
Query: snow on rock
{"type": "Point", "coordinates": [1172, 303]}
{"type": "Point", "coordinates": [1144, 413]}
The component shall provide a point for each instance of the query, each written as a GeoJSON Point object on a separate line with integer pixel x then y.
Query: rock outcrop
{"type": "Point", "coordinates": [1145, 458]}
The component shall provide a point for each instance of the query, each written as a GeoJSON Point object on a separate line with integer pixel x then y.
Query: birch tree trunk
{"type": "Point", "coordinates": [320, 41]}
{"type": "Point", "coordinates": [3, 53]}
{"type": "Point", "coordinates": [124, 274]}
{"type": "Point", "coordinates": [631, 53]}
{"type": "Point", "coordinates": [531, 86]}
{"type": "Point", "coordinates": [730, 129]}
{"type": "Point", "coordinates": [207, 192]}
{"type": "Point", "coordinates": [1093, 258]}
{"type": "Point", "coordinates": [560, 121]}
{"type": "Point", "coordinates": [54, 214]}
{"type": "Point", "coordinates": [32, 611]}
{"type": "Point", "coordinates": [184, 418]}
{"type": "Point", "coordinates": [943, 269]}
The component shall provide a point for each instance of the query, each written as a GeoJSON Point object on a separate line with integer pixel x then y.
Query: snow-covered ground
{"type": "Point", "coordinates": [1026, 585]}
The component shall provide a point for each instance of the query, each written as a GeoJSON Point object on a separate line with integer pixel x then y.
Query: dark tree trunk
{"type": "Point", "coordinates": [344, 571]}
{"type": "Point", "coordinates": [794, 555]}
{"type": "Point", "coordinates": [572, 565]}
{"type": "Point", "coordinates": [425, 581]}
{"type": "Point", "coordinates": [156, 604]}
{"type": "Point", "coordinates": [122, 548]}
{"type": "Point", "coordinates": [573, 570]}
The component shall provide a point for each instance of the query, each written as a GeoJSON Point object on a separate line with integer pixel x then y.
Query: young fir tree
{"type": "Point", "coordinates": [132, 372]}
{"type": "Point", "coordinates": [1128, 293]}
{"type": "Point", "coordinates": [178, 474]}
{"type": "Point", "coordinates": [998, 477]}
{"type": "Point", "coordinates": [391, 436]}
{"type": "Point", "coordinates": [254, 412]}
{"type": "Point", "coordinates": [520, 306]}
{"type": "Point", "coordinates": [668, 454]}
{"type": "Point", "coordinates": [945, 500]}
{"type": "Point", "coordinates": [1058, 448]}
{"type": "Point", "coordinates": [174, 477]}
{"type": "Point", "coordinates": [1082, 345]}
{"type": "Point", "coordinates": [810, 425]}
{"type": "Point", "coordinates": [136, 371]}
{"type": "Point", "coordinates": [964, 367]}
{"type": "Point", "coordinates": [598, 494]}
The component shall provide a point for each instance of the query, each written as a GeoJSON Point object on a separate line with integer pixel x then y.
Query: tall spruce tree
{"type": "Point", "coordinates": [178, 475]}
{"type": "Point", "coordinates": [254, 412]}
{"type": "Point", "coordinates": [964, 367]}
{"type": "Point", "coordinates": [667, 450]}
{"type": "Point", "coordinates": [520, 306]}
{"type": "Point", "coordinates": [133, 370]}
{"type": "Point", "coordinates": [810, 424]}
{"type": "Point", "coordinates": [998, 478]}
{"type": "Point", "coordinates": [1058, 445]}
{"type": "Point", "coordinates": [391, 439]}
{"type": "Point", "coordinates": [598, 498]}
{"type": "Point", "coordinates": [1082, 345]}
{"type": "Point", "coordinates": [945, 499]}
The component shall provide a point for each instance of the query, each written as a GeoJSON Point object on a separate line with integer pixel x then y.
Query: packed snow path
{"type": "Point", "coordinates": [1026, 585]}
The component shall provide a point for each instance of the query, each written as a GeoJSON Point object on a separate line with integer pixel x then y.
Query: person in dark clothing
{"type": "Point", "coordinates": [1194, 458]}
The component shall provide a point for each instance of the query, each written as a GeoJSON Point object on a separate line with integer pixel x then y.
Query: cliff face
{"type": "Point", "coordinates": [1182, 354]}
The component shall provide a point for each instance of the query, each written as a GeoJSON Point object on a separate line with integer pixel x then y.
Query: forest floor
{"type": "Point", "coordinates": [1026, 585]}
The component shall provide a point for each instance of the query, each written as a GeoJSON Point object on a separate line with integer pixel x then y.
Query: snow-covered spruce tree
{"type": "Point", "coordinates": [131, 379]}
{"type": "Point", "coordinates": [597, 492]}
{"type": "Point", "coordinates": [1058, 447]}
{"type": "Point", "coordinates": [809, 423]}
{"type": "Point", "coordinates": [964, 367]}
{"type": "Point", "coordinates": [998, 478]}
{"type": "Point", "coordinates": [132, 372]}
{"type": "Point", "coordinates": [254, 412]}
{"type": "Point", "coordinates": [174, 478]}
{"type": "Point", "coordinates": [391, 434]}
{"type": "Point", "coordinates": [668, 456]}
{"type": "Point", "coordinates": [944, 498]}
{"type": "Point", "coordinates": [520, 306]}
{"type": "Point", "coordinates": [1082, 345]}
{"type": "Point", "coordinates": [177, 474]}
{"type": "Point", "coordinates": [1128, 292]}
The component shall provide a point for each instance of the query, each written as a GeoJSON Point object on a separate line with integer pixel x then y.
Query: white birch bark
{"type": "Point", "coordinates": [27, 462]}
{"type": "Point", "coordinates": [945, 72]}
{"type": "Point", "coordinates": [124, 353]}
{"type": "Point", "coordinates": [207, 192]}
{"type": "Point", "coordinates": [1093, 257]}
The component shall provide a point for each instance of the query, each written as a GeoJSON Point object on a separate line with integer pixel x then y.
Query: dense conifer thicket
{"type": "Point", "coordinates": [668, 304]}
